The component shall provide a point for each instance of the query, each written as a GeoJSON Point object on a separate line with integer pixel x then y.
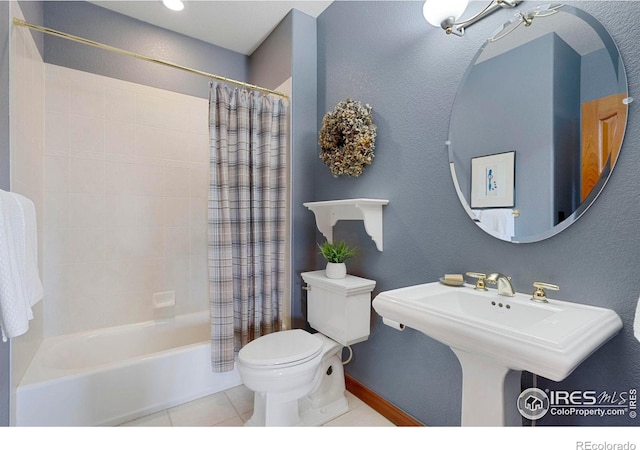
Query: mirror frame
{"type": "Point", "coordinates": [611, 47]}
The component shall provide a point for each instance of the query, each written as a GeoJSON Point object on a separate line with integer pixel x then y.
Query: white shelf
{"type": "Point", "coordinates": [366, 209]}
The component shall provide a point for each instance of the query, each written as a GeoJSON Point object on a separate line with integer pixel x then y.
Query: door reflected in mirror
{"type": "Point", "coordinates": [555, 94]}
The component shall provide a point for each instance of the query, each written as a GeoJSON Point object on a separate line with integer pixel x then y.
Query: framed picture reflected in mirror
{"type": "Point", "coordinates": [493, 181]}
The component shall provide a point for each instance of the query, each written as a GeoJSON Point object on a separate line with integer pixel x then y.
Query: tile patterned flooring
{"type": "Point", "coordinates": [233, 407]}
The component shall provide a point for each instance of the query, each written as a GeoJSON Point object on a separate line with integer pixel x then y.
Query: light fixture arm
{"type": "Point", "coordinates": [457, 28]}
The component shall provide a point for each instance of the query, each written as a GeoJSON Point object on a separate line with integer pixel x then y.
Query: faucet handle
{"type": "Point", "coordinates": [480, 284]}
{"type": "Point", "coordinates": [539, 295]}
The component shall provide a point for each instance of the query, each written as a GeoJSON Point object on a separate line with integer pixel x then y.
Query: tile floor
{"type": "Point", "coordinates": [233, 407]}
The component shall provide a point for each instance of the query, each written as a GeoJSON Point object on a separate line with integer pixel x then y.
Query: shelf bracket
{"type": "Point", "coordinates": [328, 213]}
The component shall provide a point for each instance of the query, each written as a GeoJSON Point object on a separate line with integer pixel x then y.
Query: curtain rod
{"type": "Point", "coordinates": [81, 40]}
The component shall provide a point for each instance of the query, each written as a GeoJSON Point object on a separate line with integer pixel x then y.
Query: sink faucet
{"type": "Point", "coordinates": [504, 284]}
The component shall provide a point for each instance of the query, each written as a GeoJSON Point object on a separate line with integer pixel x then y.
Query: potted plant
{"type": "Point", "coordinates": [336, 255]}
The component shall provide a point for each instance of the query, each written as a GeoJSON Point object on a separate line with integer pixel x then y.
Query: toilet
{"type": "Point", "coordinates": [297, 377]}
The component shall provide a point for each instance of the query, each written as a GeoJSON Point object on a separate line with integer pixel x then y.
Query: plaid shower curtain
{"type": "Point", "coordinates": [247, 218]}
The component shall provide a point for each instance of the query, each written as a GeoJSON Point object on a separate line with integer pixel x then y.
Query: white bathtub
{"type": "Point", "coordinates": [113, 375]}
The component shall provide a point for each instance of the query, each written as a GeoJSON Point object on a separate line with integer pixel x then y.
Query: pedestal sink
{"type": "Point", "coordinates": [496, 337]}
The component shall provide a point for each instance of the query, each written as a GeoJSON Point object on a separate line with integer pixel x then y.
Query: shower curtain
{"type": "Point", "coordinates": [247, 218]}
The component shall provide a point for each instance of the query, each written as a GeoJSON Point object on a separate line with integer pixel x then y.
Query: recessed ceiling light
{"type": "Point", "coordinates": [175, 5]}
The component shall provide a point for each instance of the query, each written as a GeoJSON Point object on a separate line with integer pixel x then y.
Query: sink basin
{"type": "Point", "coordinates": [549, 339]}
{"type": "Point", "coordinates": [496, 337]}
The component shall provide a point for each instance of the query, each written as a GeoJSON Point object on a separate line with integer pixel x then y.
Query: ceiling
{"type": "Point", "coordinates": [239, 25]}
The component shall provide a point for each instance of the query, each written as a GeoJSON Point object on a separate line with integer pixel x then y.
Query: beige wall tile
{"type": "Point", "coordinates": [126, 180]}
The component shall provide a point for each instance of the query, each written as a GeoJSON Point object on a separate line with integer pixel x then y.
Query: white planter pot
{"type": "Point", "coordinates": [336, 270]}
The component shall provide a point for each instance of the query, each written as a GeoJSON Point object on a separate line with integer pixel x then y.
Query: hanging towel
{"type": "Point", "coordinates": [20, 285]}
{"type": "Point", "coordinates": [500, 221]}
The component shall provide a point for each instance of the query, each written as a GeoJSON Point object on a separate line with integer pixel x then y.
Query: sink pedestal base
{"type": "Point", "coordinates": [489, 392]}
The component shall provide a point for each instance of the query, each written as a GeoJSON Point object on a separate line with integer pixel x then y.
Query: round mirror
{"type": "Point", "coordinates": [537, 123]}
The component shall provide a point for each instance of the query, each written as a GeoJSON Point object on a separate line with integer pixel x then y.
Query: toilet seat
{"type": "Point", "coordinates": [281, 349]}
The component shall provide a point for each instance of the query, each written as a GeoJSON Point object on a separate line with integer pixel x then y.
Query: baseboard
{"type": "Point", "coordinates": [394, 414]}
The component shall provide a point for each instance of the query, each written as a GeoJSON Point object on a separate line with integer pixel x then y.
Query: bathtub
{"type": "Point", "coordinates": [112, 375]}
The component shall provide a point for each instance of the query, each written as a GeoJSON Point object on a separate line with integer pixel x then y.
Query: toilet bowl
{"type": "Point", "coordinates": [298, 377]}
{"type": "Point", "coordinates": [305, 387]}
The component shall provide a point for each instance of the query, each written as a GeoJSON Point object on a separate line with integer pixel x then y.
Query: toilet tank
{"type": "Point", "coordinates": [339, 309]}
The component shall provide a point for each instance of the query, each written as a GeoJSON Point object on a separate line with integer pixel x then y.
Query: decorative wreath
{"type": "Point", "coordinates": [347, 138]}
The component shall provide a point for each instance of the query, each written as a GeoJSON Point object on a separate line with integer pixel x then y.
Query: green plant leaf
{"type": "Point", "coordinates": [337, 253]}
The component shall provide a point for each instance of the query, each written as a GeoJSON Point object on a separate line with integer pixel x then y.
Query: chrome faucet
{"type": "Point", "coordinates": [504, 284]}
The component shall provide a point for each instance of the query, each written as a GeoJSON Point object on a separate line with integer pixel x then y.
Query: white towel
{"type": "Point", "coordinates": [20, 285]}
{"type": "Point", "coordinates": [499, 221]}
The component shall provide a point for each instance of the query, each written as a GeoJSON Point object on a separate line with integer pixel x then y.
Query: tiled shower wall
{"type": "Point", "coordinates": [126, 182]}
{"type": "Point", "coordinates": [27, 165]}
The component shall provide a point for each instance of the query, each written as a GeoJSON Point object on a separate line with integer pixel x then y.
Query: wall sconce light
{"type": "Point", "coordinates": [445, 13]}
{"type": "Point", "coordinates": [526, 18]}
{"type": "Point", "coordinates": [174, 5]}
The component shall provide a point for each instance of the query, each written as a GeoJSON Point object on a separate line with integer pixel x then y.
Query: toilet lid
{"type": "Point", "coordinates": [283, 347]}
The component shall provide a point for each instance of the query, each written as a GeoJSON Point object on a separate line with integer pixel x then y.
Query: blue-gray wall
{"type": "Point", "coordinates": [385, 54]}
{"type": "Point", "coordinates": [601, 79]}
{"type": "Point", "coordinates": [108, 27]}
{"type": "Point", "coordinates": [484, 123]}
{"type": "Point", "coordinates": [290, 51]}
{"type": "Point", "coordinates": [33, 12]}
{"type": "Point", "coordinates": [566, 131]}
{"type": "Point", "coordinates": [270, 63]}
{"type": "Point", "coordinates": [99, 24]}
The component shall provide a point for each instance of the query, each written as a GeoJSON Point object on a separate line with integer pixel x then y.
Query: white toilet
{"type": "Point", "coordinates": [297, 376]}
